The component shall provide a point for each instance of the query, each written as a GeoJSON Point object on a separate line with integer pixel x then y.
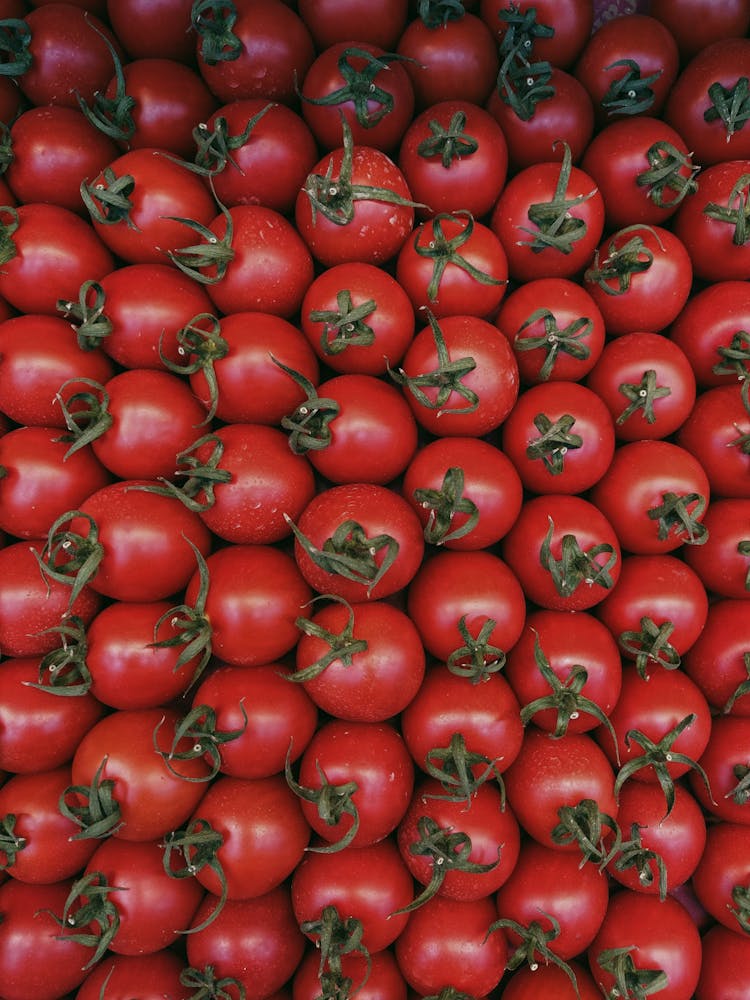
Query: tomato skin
{"type": "Point", "coordinates": [330, 21]}
{"type": "Point", "coordinates": [723, 950]}
{"type": "Point", "coordinates": [692, 33]}
{"type": "Point", "coordinates": [145, 28]}
{"type": "Point", "coordinates": [715, 661]}
{"type": "Point", "coordinates": [724, 761]}
{"type": "Point", "coordinates": [662, 934]}
{"type": "Point", "coordinates": [723, 866]}
{"type": "Point", "coordinates": [571, 20]}
{"type": "Point", "coordinates": [705, 328]}
{"type": "Point", "coordinates": [714, 433]}
{"type": "Point", "coordinates": [154, 975]}
{"type": "Point", "coordinates": [383, 978]}
{"type": "Point", "coordinates": [722, 563]}
{"type": "Point", "coordinates": [524, 983]}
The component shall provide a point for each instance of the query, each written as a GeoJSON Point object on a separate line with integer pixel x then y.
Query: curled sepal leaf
{"type": "Point", "coordinates": [108, 200]}
{"type": "Point", "coordinates": [334, 198]}
{"type": "Point", "coordinates": [206, 986]}
{"type": "Point", "coordinates": [632, 854]}
{"type": "Point", "coordinates": [111, 115]}
{"type": "Point", "coordinates": [642, 396]}
{"type": "Point", "coordinates": [565, 697]}
{"type": "Point", "coordinates": [735, 358]}
{"type": "Point", "coordinates": [521, 29]}
{"type": "Point", "coordinates": [554, 441]}
{"type": "Point", "coordinates": [193, 630]}
{"type": "Point", "coordinates": [198, 729]}
{"type": "Point", "coordinates": [335, 937]}
{"type": "Point", "coordinates": [86, 413]}
{"type": "Point", "coordinates": [743, 688]}
{"type": "Point", "coordinates": [534, 947]}
{"type": "Point", "coordinates": [308, 426]}
{"type": "Point", "coordinates": [446, 378]}
{"type": "Point", "coordinates": [450, 993]}
{"type": "Point", "coordinates": [679, 516]}
{"type": "Point", "coordinates": [731, 105]}
{"type": "Point", "coordinates": [214, 148]}
{"type": "Point", "coordinates": [349, 553]}
{"type": "Point", "coordinates": [630, 94]}
{"type": "Point", "coordinates": [443, 505]}
{"type": "Point", "coordinates": [450, 143]}
{"type": "Point", "coordinates": [8, 248]}
{"type": "Point", "coordinates": [213, 252]}
{"type": "Point", "coordinates": [443, 251]}
{"type": "Point", "coordinates": [10, 842]}
{"type": "Point", "coordinates": [201, 476]}
{"type": "Point", "coordinates": [743, 548]}
{"type": "Point", "coordinates": [15, 39]}
{"type": "Point", "coordinates": [477, 658]}
{"type": "Point", "coordinates": [345, 325]}
{"type": "Point", "coordinates": [522, 84]}
{"type": "Point", "coordinates": [576, 566]}
{"type": "Point", "coordinates": [64, 671]}
{"type": "Point", "coordinates": [556, 227]}
{"type": "Point", "coordinates": [458, 771]}
{"type": "Point", "coordinates": [740, 794]}
{"type": "Point", "coordinates": [333, 802]}
{"type": "Point", "coordinates": [89, 903]}
{"type": "Point", "coordinates": [198, 844]}
{"type": "Point", "coordinates": [736, 212]}
{"type": "Point", "coordinates": [651, 646]}
{"type": "Point", "coordinates": [741, 908]}
{"type": "Point", "coordinates": [342, 646]}
{"type": "Point", "coordinates": [91, 324]}
{"type": "Point", "coordinates": [659, 755]}
{"type": "Point", "coordinates": [666, 172]}
{"type": "Point", "coordinates": [436, 13]}
{"type": "Point", "coordinates": [449, 851]}
{"type": "Point", "coordinates": [334, 986]}
{"type": "Point", "coordinates": [204, 346]}
{"type": "Point", "coordinates": [585, 824]}
{"type": "Point", "coordinates": [70, 558]}
{"type": "Point", "coordinates": [631, 983]}
{"type": "Point", "coordinates": [213, 21]}
{"type": "Point", "coordinates": [621, 263]}
{"type": "Point", "coordinates": [553, 340]}
{"type": "Point", "coordinates": [93, 808]}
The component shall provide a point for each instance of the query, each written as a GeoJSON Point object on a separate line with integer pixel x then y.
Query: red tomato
{"type": "Point", "coordinates": [724, 968]}
{"type": "Point", "coordinates": [379, 975]}
{"type": "Point", "coordinates": [725, 762]}
{"type": "Point", "coordinates": [122, 975]}
{"type": "Point", "coordinates": [716, 660]}
{"type": "Point", "coordinates": [571, 22]}
{"type": "Point", "coordinates": [147, 29]}
{"type": "Point", "coordinates": [524, 983]}
{"type": "Point", "coordinates": [709, 331]}
{"type": "Point", "coordinates": [693, 31]}
{"type": "Point", "coordinates": [723, 563]}
{"type": "Point", "coordinates": [721, 879]}
{"type": "Point", "coordinates": [716, 432]}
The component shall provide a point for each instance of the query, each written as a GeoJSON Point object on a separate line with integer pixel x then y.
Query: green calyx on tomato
{"type": "Point", "coordinates": [333, 802]}
{"type": "Point", "coordinates": [556, 227]}
{"type": "Point", "coordinates": [665, 173]}
{"type": "Point", "coordinates": [336, 937]}
{"type": "Point", "coordinates": [575, 566]}
{"type": "Point", "coordinates": [214, 148]}
{"type": "Point", "coordinates": [673, 516]}
{"type": "Point", "coordinates": [93, 808]}
{"type": "Point", "coordinates": [554, 340]}
{"type": "Point", "coordinates": [345, 326]}
{"type": "Point", "coordinates": [454, 767]}
{"type": "Point", "coordinates": [443, 505]}
{"type": "Point", "coordinates": [435, 13]}
{"type": "Point", "coordinates": [343, 646]}
{"type": "Point", "coordinates": [741, 908]}
{"type": "Point", "coordinates": [308, 425]}
{"type": "Point", "coordinates": [736, 212]}
{"type": "Point", "coordinates": [729, 104]}
{"type": "Point", "coordinates": [554, 441]}
{"type": "Point", "coordinates": [641, 396]}
{"type": "Point", "coordinates": [65, 669]}
{"type": "Point", "coordinates": [212, 253]}
{"type": "Point", "coordinates": [443, 251]}
{"type": "Point", "coordinates": [213, 21]}
{"type": "Point", "coordinates": [89, 903]}
{"type": "Point", "coordinates": [205, 346]}
{"type": "Point", "coordinates": [86, 414]}
{"type": "Point", "coordinates": [631, 983]}
{"type": "Point", "coordinates": [15, 39]}
{"type": "Point", "coordinates": [621, 263]}
{"type": "Point", "coordinates": [584, 824]}
{"type": "Point", "coordinates": [199, 845]}
{"type": "Point", "coordinates": [651, 645]}
{"type": "Point", "coordinates": [198, 727]}
{"type": "Point", "coordinates": [92, 325]}
{"type": "Point", "coordinates": [194, 631]}
{"type": "Point", "coordinates": [69, 558]}
{"type": "Point", "coordinates": [521, 28]}
{"type": "Point", "coordinates": [200, 476]}
{"type": "Point", "coordinates": [631, 94]}
{"type": "Point", "coordinates": [534, 946]}
{"type": "Point", "coordinates": [108, 201]}
{"type": "Point", "coordinates": [205, 984]}
{"type": "Point", "coordinates": [10, 842]}
{"type": "Point", "coordinates": [111, 115]}
{"type": "Point", "coordinates": [632, 854]}
{"type": "Point", "coordinates": [450, 143]}
{"type": "Point", "coordinates": [477, 658]}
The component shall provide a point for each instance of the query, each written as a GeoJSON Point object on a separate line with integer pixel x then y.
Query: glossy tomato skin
{"type": "Point", "coordinates": [715, 661]}
{"type": "Point", "coordinates": [725, 761]}
{"type": "Point", "coordinates": [692, 33]}
{"type": "Point", "coordinates": [707, 326]}
{"type": "Point", "coordinates": [723, 950]}
{"type": "Point", "coordinates": [714, 433]}
{"type": "Point", "coordinates": [380, 976]}
{"type": "Point", "coordinates": [153, 29]}
{"type": "Point", "coordinates": [722, 563]}
{"type": "Point", "coordinates": [571, 21]}
{"type": "Point", "coordinates": [524, 983]}
{"type": "Point", "coordinates": [151, 974]}
{"type": "Point", "coordinates": [662, 935]}
{"type": "Point", "coordinates": [722, 869]}
{"type": "Point", "coordinates": [330, 21]}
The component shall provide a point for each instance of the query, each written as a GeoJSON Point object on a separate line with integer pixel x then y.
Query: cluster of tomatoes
{"type": "Point", "coordinates": [375, 500]}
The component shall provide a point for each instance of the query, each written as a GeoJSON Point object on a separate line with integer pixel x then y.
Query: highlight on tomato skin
{"type": "Point", "coordinates": [374, 499]}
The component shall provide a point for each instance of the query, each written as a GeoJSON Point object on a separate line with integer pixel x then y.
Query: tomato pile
{"type": "Point", "coordinates": [374, 500]}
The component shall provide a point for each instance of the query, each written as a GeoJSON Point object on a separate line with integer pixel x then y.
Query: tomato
{"type": "Point", "coordinates": [549, 218]}
{"type": "Point", "coordinates": [468, 607]}
{"type": "Point", "coordinates": [723, 950]}
{"type": "Point", "coordinates": [722, 563]}
{"type": "Point", "coordinates": [640, 278]}
{"type": "Point", "coordinates": [709, 331]}
{"type": "Point", "coordinates": [454, 157]}
{"type": "Point", "coordinates": [691, 32]}
{"type": "Point", "coordinates": [720, 880]}
{"type": "Point", "coordinates": [642, 936]}
{"type": "Point", "coordinates": [564, 552]}
{"type": "Point", "coordinates": [560, 437]}
{"type": "Point", "coordinates": [48, 251]}
{"type": "Point", "coordinates": [715, 432]}
{"type": "Point", "coordinates": [128, 748]}
{"type": "Point", "coordinates": [359, 541]}
{"type": "Point", "coordinates": [148, 29]}
{"type": "Point", "coordinates": [378, 973]}
{"type": "Point", "coordinates": [460, 377]}
{"type": "Point", "coordinates": [362, 83]}
{"type": "Point", "coordinates": [149, 974]}
{"type": "Point", "coordinates": [466, 492]}
{"type": "Point", "coordinates": [555, 328]}
{"type": "Point", "coordinates": [571, 23]}
{"type": "Point", "coordinates": [363, 662]}
{"type": "Point", "coordinates": [646, 382]}
{"type": "Point", "coordinates": [716, 660]}
{"type": "Point", "coordinates": [39, 481]}
{"type": "Point", "coordinates": [725, 761]}
{"type": "Point", "coordinates": [550, 773]}
{"type": "Point", "coordinates": [524, 983]}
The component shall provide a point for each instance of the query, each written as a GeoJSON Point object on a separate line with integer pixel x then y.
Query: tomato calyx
{"type": "Point", "coordinates": [10, 842]}
{"type": "Point", "coordinates": [741, 791]}
{"type": "Point", "coordinates": [554, 441]}
{"type": "Point", "coordinates": [741, 909]}
{"type": "Point", "coordinates": [86, 413]}
{"type": "Point", "coordinates": [213, 21]}
{"type": "Point", "coordinates": [477, 659]}
{"type": "Point", "coordinates": [334, 198]}
{"type": "Point", "coordinates": [666, 166]}
{"type": "Point", "coordinates": [450, 993]}
{"type": "Point", "coordinates": [214, 147]}
{"type": "Point", "coordinates": [553, 339]}
{"type": "Point", "coordinates": [443, 505]}
{"type": "Point", "coordinates": [736, 212]}
{"type": "Point", "coordinates": [89, 903]}
{"type": "Point", "coordinates": [345, 326]}
{"type": "Point", "coordinates": [621, 263]}
{"type": "Point", "coordinates": [308, 425]}
{"type": "Point", "coordinates": [556, 227]}
{"type": "Point", "coordinates": [455, 767]}
{"type": "Point", "coordinates": [205, 347]}
{"type": "Point", "coordinates": [343, 646]}
{"type": "Point", "coordinates": [111, 115]}
{"type": "Point", "coordinates": [650, 645]}
{"type": "Point", "coordinates": [15, 39]}
{"type": "Point", "coordinates": [212, 253]}
{"type": "Point", "coordinates": [743, 548]}
{"type": "Point", "coordinates": [731, 105]}
{"type": "Point", "coordinates": [743, 687]}
{"type": "Point", "coordinates": [576, 566]}
{"type": "Point", "coordinates": [208, 987]}
{"type": "Point", "coordinates": [8, 248]}
{"type": "Point", "coordinates": [333, 802]}
{"type": "Point", "coordinates": [446, 378]}
{"type": "Point", "coordinates": [198, 729]}
{"type": "Point", "coordinates": [200, 476]}
{"type": "Point", "coordinates": [443, 251]}
{"type": "Point", "coordinates": [521, 83]}
{"type": "Point", "coordinates": [449, 850]}
{"type": "Point", "coordinates": [631, 94]}
{"type": "Point", "coordinates": [534, 946]}
{"type": "Point", "coordinates": [92, 808]}
{"type": "Point", "coordinates": [641, 396]}
{"type": "Point", "coordinates": [199, 845]}
{"type": "Point", "coordinates": [437, 13]}
{"type": "Point", "coordinates": [565, 697]}
{"type": "Point", "coordinates": [108, 200]}
{"type": "Point", "coordinates": [632, 854]}
{"type": "Point", "coordinates": [349, 553]}
{"type": "Point", "coordinates": [659, 755]}
{"type": "Point", "coordinates": [584, 824]}
{"type": "Point", "coordinates": [193, 629]}
{"type": "Point", "coordinates": [631, 983]}
{"type": "Point", "coordinates": [336, 937]}
{"type": "Point", "coordinates": [92, 326]}
{"type": "Point", "coordinates": [521, 28]}
{"type": "Point", "coordinates": [679, 515]}
{"type": "Point", "coordinates": [70, 558]}
{"type": "Point", "coordinates": [450, 143]}
{"type": "Point", "coordinates": [64, 671]}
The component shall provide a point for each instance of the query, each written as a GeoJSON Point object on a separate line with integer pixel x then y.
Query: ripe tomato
{"type": "Point", "coordinates": [725, 762]}
{"type": "Point", "coordinates": [121, 975]}
{"type": "Point", "coordinates": [723, 562]}
{"type": "Point", "coordinates": [716, 660]}
{"type": "Point", "coordinates": [379, 975]}
{"type": "Point", "coordinates": [524, 983]}
{"type": "Point", "coordinates": [571, 23]}
{"type": "Point", "coordinates": [153, 29]}
{"type": "Point", "coordinates": [330, 21]}
{"type": "Point", "coordinates": [721, 879]}
{"type": "Point", "coordinates": [724, 966]}
{"type": "Point", "coordinates": [709, 331]}
{"type": "Point", "coordinates": [716, 432]}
